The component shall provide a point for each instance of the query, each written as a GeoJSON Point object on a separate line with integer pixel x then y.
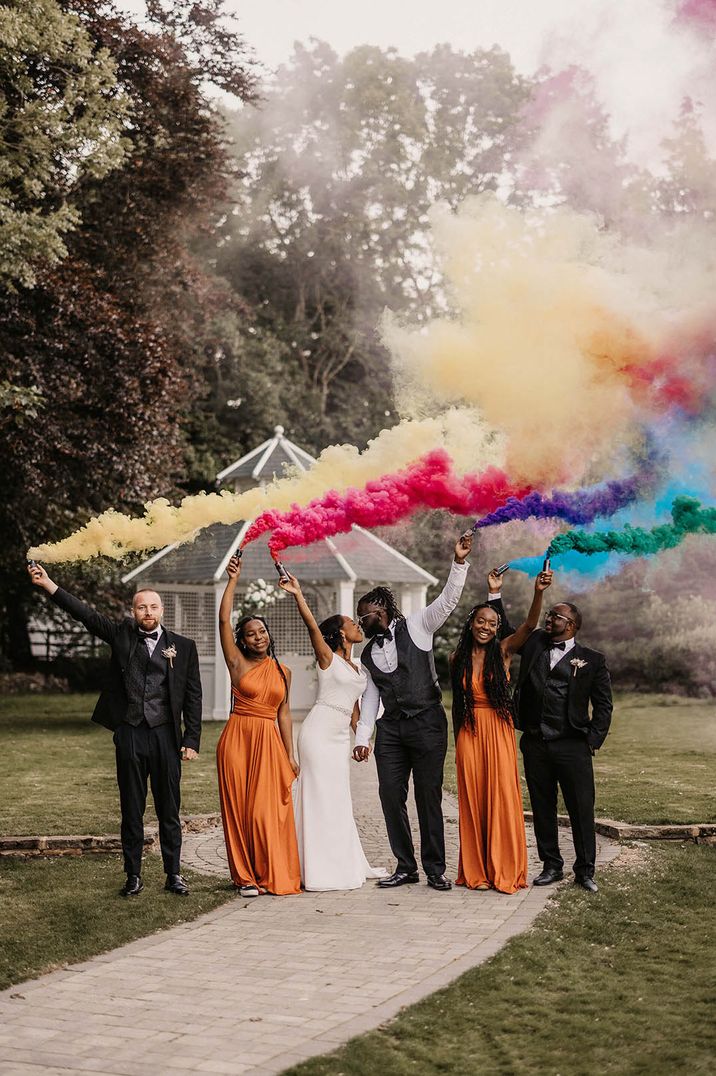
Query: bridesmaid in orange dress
{"type": "Point", "coordinates": [255, 758]}
{"type": "Point", "coordinates": [493, 848]}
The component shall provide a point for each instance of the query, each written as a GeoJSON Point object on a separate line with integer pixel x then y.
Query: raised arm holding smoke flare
{"type": "Point", "coordinates": [154, 682]}
{"type": "Point", "coordinates": [493, 847]}
{"type": "Point", "coordinates": [330, 850]}
{"type": "Point", "coordinates": [411, 736]}
{"type": "Point", "coordinates": [563, 705]}
{"type": "Point", "coordinates": [255, 760]}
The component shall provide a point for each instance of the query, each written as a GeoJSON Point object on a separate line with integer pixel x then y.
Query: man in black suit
{"type": "Point", "coordinates": [558, 682]}
{"type": "Point", "coordinates": [154, 677]}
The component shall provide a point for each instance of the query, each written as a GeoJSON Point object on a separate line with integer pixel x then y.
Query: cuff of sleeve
{"type": "Point", "coordinates": [362, 740]}
{"type": "Point", "coordinates": [494, 597]}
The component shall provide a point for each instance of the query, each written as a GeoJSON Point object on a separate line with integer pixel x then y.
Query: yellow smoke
{"type": "Point", "coordinates": [112, 534]}
{"type": "Point", "coordinates": [545, 320]}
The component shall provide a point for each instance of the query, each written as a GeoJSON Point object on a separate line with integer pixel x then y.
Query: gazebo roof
{"type": "Point", "coordinates": [269, 460]}
{"type": "Point", "coordinates": [359, 554]}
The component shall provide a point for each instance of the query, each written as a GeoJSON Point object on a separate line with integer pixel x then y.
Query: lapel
{"type": "Point", "coordinates": [168, 641]}
{"type": "Point", "coordinates": [544, 643]}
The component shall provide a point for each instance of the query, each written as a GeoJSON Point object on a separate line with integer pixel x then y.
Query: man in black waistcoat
{"type": "Point", "coordinates": [557, 682]}
{"type": "Point", "coordinates": [154, 677]}
{"type": "Point", "coordinates": [411, 736]}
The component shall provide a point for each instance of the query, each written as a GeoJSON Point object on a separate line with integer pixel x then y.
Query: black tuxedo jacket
{"type": "Point", "coordinates": [589, 699]}
{"type": "Point", "coordinates": [184, 680]}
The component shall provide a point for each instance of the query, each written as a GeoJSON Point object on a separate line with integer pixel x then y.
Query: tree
{"type": "Point", "coordinates": [339, 168]}
{"type": "Point", "coordinates": [106, 343]}
{"type": "Point", "coordinates": [62, 114]}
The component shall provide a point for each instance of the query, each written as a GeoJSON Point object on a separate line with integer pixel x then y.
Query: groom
{"type": "Point", "coordinates": [563, 705]}
{"type": "Point", "coordinates": [154, 677]}
{"type": "Point", "coordinates": [411, 736]}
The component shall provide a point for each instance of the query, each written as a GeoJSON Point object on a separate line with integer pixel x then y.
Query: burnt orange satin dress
{"type": "Point", "coordinates": [493, 848]}
{"type": "Point", "coordinates": [255, 780]}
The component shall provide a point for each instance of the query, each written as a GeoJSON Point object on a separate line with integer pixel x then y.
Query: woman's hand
{"type": "Point", "coordinates": [294, 766]}
{"type": "Point", "coordinates": [233, 568]}
{"type": "Point", "coordinates": [543, 580]}
{"type": "Point", "coordinates": [290, 585]}
{"type": "Point", "coordinates": [494, 582]}
{"type": "Point", "coordinates": [463, 547]}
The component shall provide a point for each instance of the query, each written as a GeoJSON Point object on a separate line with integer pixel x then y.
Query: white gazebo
{"type": "Point", "coordinates": [333, 572]}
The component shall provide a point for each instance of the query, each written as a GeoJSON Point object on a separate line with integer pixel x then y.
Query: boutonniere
{"type": "Point", "coordinates": [170, 653]}
{"type": "Point", "coordinates": [577, 663]}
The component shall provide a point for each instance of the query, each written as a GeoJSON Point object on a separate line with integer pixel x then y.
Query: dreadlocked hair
{"type": "Point", "coordinates": [497, 686]}
{"type": "Point", "coordinates": [384, 598]}
{"type": "Point", "coordinates": [240, 642]}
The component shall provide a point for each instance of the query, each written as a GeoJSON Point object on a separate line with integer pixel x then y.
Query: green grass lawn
{"type": "Point", "coordinates": [656, 765]}
{"type": "Point", "coordinates": [620, 983]}
{"type": "Point", "coordinates": [57, 768]}
{"type": "Point", "coordinates": [61, 910]}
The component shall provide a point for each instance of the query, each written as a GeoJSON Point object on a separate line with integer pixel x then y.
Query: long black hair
{"type": "Point", "coordinates": [384, 598]}
{"type": "Point", "coordinates": [240, 642]}
{"type": "Point", "coordinates": [331, 629]}
{"type": "Point", "coordinates": [497, 686]}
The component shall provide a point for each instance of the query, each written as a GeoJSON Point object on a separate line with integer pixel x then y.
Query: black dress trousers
{"type": "Point", "coordinates": [567, 763]}
{"type": "Point", "coordinates": [416, 744]}
{"type": "Point", "coordinates": [149, 754]}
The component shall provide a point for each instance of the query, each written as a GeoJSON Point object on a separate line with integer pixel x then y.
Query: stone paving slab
{"type": "Point", "coordinates": [258, 985]}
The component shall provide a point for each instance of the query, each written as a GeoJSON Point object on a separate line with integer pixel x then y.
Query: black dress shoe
{"type": "Point", "coordinates": [587, 883]}
{"type": "Point", "coordinates": [548, 876]}
{"type": "Point", "coordinates": [398, 878]}
{"type": "Point", "coordinates": [176, 884]}
{"type": "Point", "coordinates": [439, 881]}
{"type": "Point", "coordinates": [133, 886]}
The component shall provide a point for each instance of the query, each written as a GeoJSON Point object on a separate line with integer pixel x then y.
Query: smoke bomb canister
{"type": "Point", "coordinates": [546, 566]}
{"type": "Point", "coordinates": [502, 569]}
{"type": "Point", "coordinates": [282, 573]}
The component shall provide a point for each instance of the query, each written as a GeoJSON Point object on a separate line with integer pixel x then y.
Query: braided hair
{"type": "Point", "coordinates": [331, 629]}
{"type": "Point", "coordinates": [239, 637]}
{"type": "Point", "coordinates": [495, 679]}
{"type": "Point", "coordinates": [384, 598]}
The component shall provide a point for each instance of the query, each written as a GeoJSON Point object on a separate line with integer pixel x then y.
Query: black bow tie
{"type": "Point", "coordinates": [384, 638]}
{"type": "Point", "coordinates": [149, 635]}
{"type": "Point", "coordinates": [558, 646]}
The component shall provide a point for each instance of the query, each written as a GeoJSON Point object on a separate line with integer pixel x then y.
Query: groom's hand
{"type": "Point", "coordinates": [463, 547]}
{"type": "Point", "coordinates": [360, 754]}
{"type": "Point", "coordinates": [188, 753]}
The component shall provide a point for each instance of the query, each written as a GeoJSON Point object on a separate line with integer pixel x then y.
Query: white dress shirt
{"type": "Point", "coordinates": [151, 643]}
{"type": "Point", "coordinates": [555, 656]}
{"type": "Point", "coordinates": [421, 625]}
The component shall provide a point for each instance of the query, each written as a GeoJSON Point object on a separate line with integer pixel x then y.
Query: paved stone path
{"type": "Point", "coordinates": [259, 985]}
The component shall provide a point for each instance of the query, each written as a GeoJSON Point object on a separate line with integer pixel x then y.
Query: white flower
{"type": "Point", "coordinates": [577, 663]}
{"type": "Point", "coordinates": [170, 652]}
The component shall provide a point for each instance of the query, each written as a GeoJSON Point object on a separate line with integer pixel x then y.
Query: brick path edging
{"type": "Point", "coordinates": [83, 844]}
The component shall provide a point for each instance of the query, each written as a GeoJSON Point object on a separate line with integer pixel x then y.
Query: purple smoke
{"type": "Point", "coordinates": [582, 506]}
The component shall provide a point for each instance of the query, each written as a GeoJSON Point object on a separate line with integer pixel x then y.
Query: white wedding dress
{"type": "Point", "coordinates": [329, 847]}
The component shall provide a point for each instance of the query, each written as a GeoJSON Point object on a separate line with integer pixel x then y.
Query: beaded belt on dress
{"type": "Point", "coordinates": [341, 709]}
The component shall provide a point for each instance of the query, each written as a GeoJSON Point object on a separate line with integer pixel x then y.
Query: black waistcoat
{"type": "Point", "coordinates": [546, 697]}
{"type": "Point", "coordinates": [147, 686]}
{"type": "Point", "coordinates": [413, 687]}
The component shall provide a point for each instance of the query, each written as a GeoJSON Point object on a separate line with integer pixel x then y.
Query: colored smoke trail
{"type": "Point", "coordinates": [688, 517]}
{"type": "Point", "coordinates": [430, 483]}
{"type": "Point", "coordinates": [580, 507]}
{"type": "Point", "coordinates": [459, 431]}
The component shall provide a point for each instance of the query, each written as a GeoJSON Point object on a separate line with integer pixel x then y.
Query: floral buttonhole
{"type": "Point", "coordinates": [170, 653]}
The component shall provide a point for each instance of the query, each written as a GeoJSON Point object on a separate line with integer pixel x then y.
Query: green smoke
{"type": "Point", "coordinates": [688, 517]}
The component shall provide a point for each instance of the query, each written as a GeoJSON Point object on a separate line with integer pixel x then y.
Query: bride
{"type": "Point", "coordinates": [329, 847]}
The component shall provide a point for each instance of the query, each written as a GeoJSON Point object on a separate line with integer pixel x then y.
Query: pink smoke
{"type": "Point", "coordinates": [428, 483]}
{"type": "Point", "coordinates": [699, 11]}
